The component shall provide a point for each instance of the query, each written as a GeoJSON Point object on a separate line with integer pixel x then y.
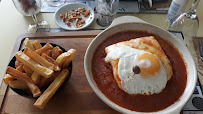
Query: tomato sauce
{"type": "Point", "coordinates": [103, 76]}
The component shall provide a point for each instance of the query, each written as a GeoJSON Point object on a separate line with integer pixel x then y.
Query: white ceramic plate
{"type": "Point", "coordinates": [69, 7]}
{"type": "Point", "coordinates": [132, 23]}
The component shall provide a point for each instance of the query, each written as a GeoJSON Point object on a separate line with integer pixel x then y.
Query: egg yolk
{"type": "Point", "coordinates": [152, 68]}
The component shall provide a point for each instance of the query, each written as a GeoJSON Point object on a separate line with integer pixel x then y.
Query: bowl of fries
{"type": "Point", "coordinates": [75, 16]}
{"type": "Point", "coordinates": [39, 70]}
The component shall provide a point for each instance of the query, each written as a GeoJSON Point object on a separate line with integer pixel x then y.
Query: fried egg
{"type": "Point", "coordinates": [148, 44]}
{"type": "Point", "coordinates": [141, 57]}
{"type": "Point", "coordinates": [152, 77]}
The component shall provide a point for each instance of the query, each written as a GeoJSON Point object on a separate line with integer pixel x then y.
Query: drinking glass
{"type": "Point", "coordinates": [106, 10]}
{"type": "Point", "coordinates": [30, 8]}
{"type": "Point", "coordinates": [187, 23]}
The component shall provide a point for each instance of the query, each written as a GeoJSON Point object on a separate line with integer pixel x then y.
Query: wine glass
{"type": "Point", "coordinates": [187, 23]}
{"type": "Point", "coordinates": [30, 8]}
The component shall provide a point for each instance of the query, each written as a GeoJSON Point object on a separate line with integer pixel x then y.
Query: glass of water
{"type": "Point", "coordinates": [30, 8]}
{"type": "Point", "coordinates": [106, 10]}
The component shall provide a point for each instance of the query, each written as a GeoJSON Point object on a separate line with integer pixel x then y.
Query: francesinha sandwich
{"type": "Point", "coordinates": [139, 65]}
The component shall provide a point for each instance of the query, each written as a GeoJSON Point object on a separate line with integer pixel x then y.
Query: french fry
{"type": "Point", "coordinates": [28, 44]}
{"type": "Point", "coordinates": [49, 92]}
{"type": "Point", "coordinates": [18, 84]}
{"type": "Point", "coordinates": [75, 18]}
{"type": "Point", "coordinates": [35, 77]}
{"type": "Point", "coordinates": [69, 59]}
{"type": "Point", "coordinates": [60, 51]}
{"type": "Point", "coordinates": [17, 63]}
{"type": "Point", "coordinates": [48, 52]}
{"type": "Point", "coordinates": [21, 76]}
{"type": "Point", "coordinates": [36, 44]}
{"type": "Point", "coordinates": [27, 70]}
{"type": "Point", "coordinates": [76, 23]}
{"type": "Point", "coordinates": [61, 59]}
{"type": "Point", "coordinates": [52, 78]}
{"type": "Point", "coordinates": [44, 48]}
{"type": "Point", "coordinates": [7, 78]}
{"type": "Point", "coordinates": [33, 65]}
{"type": "Point", "coordinates": [66, 14]}
{"type": "Point", "coordinates": [51, 60]}
{"type": "Point", "coordinates": [46, 81]}
{"type": "Point", "coordinates": [56, 51]}
{"type": "Point", "coordinates": [20, 68]}
{"type": "Point", "coordinates": [36, 57]}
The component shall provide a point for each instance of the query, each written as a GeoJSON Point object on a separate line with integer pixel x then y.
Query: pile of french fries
{"type": "Point", "coordinates": [38, 66]}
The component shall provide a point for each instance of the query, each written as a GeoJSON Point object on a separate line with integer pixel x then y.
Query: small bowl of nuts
{"type": "Point", "coordinates": [74, 16]}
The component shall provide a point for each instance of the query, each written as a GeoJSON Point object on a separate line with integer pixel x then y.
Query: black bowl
{"type": "Point", "coordinates": [26, 92]}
